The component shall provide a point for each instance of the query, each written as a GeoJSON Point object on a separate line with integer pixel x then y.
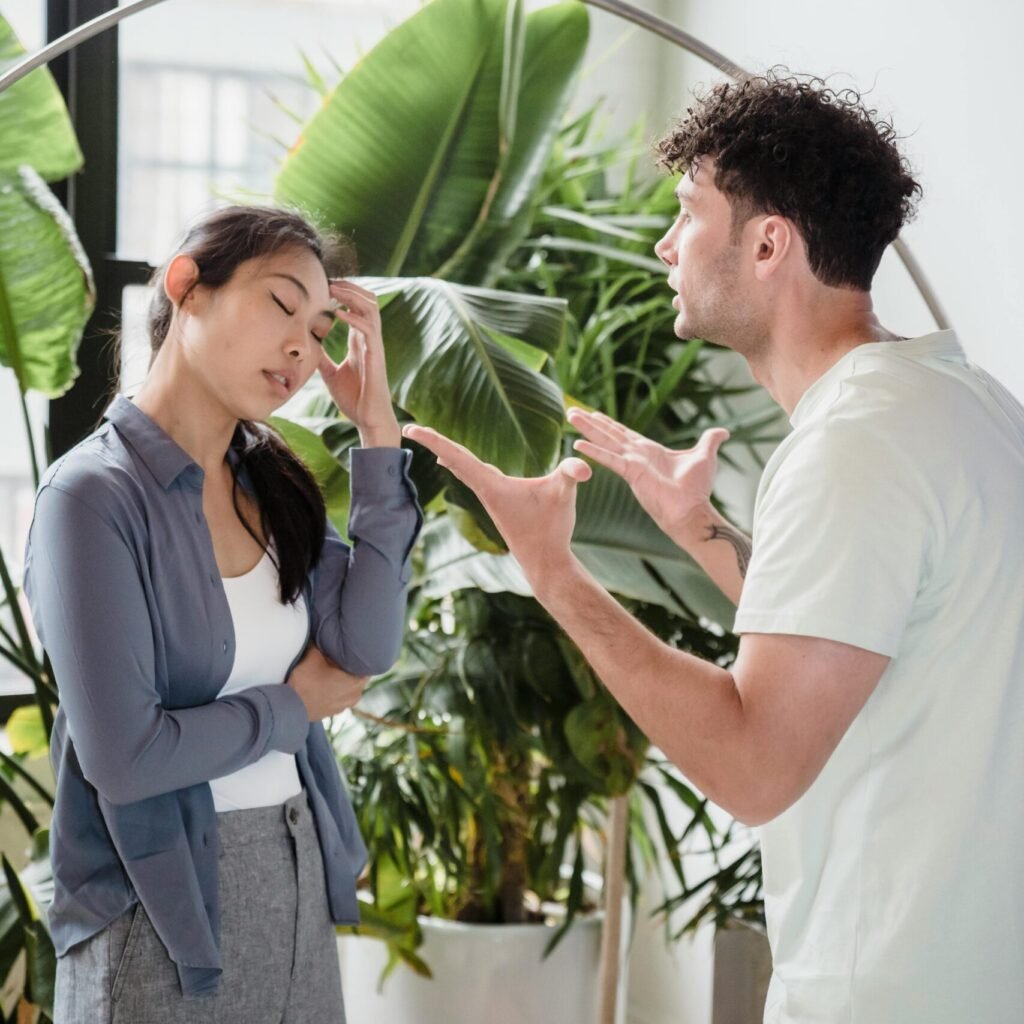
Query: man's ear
{"type": "Point", "coordinates": [180, 278]}
{"type": "Point", "coordinates": [773, 241]}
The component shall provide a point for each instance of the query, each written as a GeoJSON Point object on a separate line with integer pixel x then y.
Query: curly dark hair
{"type": "Point", "coordinates": [790, 145]}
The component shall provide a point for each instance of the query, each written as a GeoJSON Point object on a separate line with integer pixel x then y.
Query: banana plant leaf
{"type": "Point", "coordinates": [486, 347]}
{"type": "Point", "coordinates": [305, 437]}
{"type": "Point", "coordinates": [46, 286]}
{"type": "Point", "coordinates": [614, 538]}
{"type": "Point", "coordinates": [428, 153]}
{"type": "Point", "coordinates": [34, 122]}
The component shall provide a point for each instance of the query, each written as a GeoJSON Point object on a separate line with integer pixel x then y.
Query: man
{"type": "Point", "coordinates": [873, 721]}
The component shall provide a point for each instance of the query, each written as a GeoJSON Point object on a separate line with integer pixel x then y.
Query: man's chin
{"type": "Point", "coordinates": [683, 330]}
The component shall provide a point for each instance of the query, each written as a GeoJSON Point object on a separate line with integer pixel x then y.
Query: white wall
{"type": "Point", "coordinates": [946, 72]}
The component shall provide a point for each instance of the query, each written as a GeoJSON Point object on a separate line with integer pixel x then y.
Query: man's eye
{"type": "Point", "coordinates": [290, 312]}
{"type": "Point", "coordinates": [318, 338]}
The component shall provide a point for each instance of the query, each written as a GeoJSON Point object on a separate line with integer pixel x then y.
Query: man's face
{"type": "Point", "coordinates": [705, 266]}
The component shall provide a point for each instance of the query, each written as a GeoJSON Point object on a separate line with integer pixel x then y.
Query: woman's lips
{"type": "Point", "coordinates": [276, 384]}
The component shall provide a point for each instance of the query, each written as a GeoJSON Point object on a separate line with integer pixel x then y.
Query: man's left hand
{"type": "Point", "coordinates": [535, 515]}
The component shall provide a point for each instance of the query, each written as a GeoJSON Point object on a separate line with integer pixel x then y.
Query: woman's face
{"type": "Point", "coordinates": [254, 341]}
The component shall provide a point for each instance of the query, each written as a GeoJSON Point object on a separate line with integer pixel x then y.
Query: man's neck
{"type": "Point", "coordinates": [804, 345]}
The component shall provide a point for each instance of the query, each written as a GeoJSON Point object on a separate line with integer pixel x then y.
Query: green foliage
{"type": "Point", "coordinates": [25, 942]}
{"type": "Point", "coordinates": [46, 297]}
{"type": "Point", "coordinates": [428, 151]}
{"type": "Point", "coordinates": [34, 123]}
{"type": "Point", "coordinates": [481, 766]}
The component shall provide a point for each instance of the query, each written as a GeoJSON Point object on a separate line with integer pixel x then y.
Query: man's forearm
{"type": "Point", "coordinates": [721, 550]}
{"type": "Point", "coordinates": [689, 708]}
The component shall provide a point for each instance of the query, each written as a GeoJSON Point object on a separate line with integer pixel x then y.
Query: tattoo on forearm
{"type": "Point", "coordinates": [740, 544]}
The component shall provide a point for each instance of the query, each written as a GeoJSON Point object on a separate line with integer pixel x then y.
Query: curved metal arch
{"type": "Point", "coordinates": [657, 26]}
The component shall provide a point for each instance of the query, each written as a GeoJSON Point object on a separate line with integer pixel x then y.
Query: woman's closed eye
{"type": "Point", "coordinates": [291, 312]}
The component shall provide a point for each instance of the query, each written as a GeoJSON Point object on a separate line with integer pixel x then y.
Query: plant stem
{"type": "Point", "coordinates": [31, 439]}
{"type": "Point", "coordinates": [614, 882]}
{"type": "Point", "coordinates": [29, 779]}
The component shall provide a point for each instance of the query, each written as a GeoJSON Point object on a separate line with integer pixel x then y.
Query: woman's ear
{"type": "Point", "coordinates": [181, 276]}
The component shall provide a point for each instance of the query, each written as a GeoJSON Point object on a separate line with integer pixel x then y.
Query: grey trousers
{"type": "Point", "coordinates": [277, 941]}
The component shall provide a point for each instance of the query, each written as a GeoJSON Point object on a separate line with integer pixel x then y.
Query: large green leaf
{"type": "Point", "coordinates": [305, 437]}
{"type": "Point", "coordinates": [552, 49]}
{"type": "Point", "coordinates": [46, 286]}
{"type": "Point", "coordinates": [431, 147]}
{"type": "Point", "coordinates": [446, 340]}
{"type": "Point", "coordinates": [614, 538]}
{"type": "Point", "coordinates": [35, 128]}
{"type": "Point", "coordinates": [26, 927]}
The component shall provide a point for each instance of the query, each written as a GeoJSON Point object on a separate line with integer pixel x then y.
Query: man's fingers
{"type": "Point", "coordinates": [711, 440]}
{"type": "Point", "coordinates": [610, 460]}
{"type": "Point", "coordinates": [455, 457]}
{"type": "Point", "coordinates": [597, 430]}
{"type": "Point", "coordinates": [576, 471]}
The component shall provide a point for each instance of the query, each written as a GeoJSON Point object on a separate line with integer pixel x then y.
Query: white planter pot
{"type": "Point", "coordinates": [482, 973]}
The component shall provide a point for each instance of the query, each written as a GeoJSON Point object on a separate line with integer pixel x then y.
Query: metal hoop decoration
{"type": "Point", "coordinates": [627, 12]}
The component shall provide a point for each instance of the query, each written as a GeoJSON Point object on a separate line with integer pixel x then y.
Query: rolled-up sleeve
{"type": "Point", "coordinates": [359, 592]}
{"type": "Point", "coordinates": [89, 608]}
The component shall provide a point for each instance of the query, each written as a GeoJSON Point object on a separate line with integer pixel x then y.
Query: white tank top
{"type": "Point", "coordinates": [268, 635]}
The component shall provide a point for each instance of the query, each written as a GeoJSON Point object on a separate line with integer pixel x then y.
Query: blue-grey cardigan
{"type": "Point", "coordinates": [127, 600]}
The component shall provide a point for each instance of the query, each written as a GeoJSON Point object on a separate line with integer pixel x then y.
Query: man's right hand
{"type": "Point", "coordinates": [671, 486]}
{"type": "Point", "coordinates": [325, 688]}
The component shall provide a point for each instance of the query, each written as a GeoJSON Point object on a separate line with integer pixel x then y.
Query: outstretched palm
{"type": "Point", "coordinates": [670, 485]}
{"type": "Point", "coordinates": [535, 515]}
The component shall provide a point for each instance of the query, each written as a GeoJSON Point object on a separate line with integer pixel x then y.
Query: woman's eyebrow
{"type": "Point", "coordinates": [302, 288]}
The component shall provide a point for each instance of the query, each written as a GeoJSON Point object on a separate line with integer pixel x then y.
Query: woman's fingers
{"type": "Point", "coordinates": [326, 365]}
{"type": "Point", "coordinates": [355, 298]}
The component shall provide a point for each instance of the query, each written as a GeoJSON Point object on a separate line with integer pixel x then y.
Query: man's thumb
{"type": "Point", "coordinates": [711, 440]}
{"type": "Point", "coordinates": [575, 470]}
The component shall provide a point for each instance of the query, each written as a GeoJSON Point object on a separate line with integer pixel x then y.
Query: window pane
{"type": "Point", "coordinates": [28, 19]}
{"type": "Point", "coordinates": [206, 91]}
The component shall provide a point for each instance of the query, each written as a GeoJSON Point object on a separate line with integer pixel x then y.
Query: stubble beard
{"type": "Point", "coordinates": [719, 312]}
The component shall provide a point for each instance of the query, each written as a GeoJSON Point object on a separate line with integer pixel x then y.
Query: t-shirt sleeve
{"type": "Point", "coordinates": [842, 540]}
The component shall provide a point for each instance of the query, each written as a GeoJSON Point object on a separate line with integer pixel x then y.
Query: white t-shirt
{"type": "Point", "coordinates": [268, 635]}
{"type": "Point", "coordinates": [892, 519]}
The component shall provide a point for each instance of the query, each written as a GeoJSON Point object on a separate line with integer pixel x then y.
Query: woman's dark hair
{"type": "Point", "coordinates": [799, 149]}
{"type": "Point", "coordinates": [291, 506]}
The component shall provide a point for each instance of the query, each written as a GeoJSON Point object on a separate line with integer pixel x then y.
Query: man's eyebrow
{"type": "Point", "coordinates": [302, 288]}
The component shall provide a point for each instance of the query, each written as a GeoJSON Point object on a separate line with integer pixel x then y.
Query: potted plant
{"type": "Point", "coordinates": [482, 767]}
{"type": "Point", "coordinates": [46, 296]}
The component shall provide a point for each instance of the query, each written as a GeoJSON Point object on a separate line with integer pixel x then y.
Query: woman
{"type": "Point", "coordinates": [202, 616]}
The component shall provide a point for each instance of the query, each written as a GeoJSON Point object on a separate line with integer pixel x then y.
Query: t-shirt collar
{"type": "Point", "coordinates": [939, 344]}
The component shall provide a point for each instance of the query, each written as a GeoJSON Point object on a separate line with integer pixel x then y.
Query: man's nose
{"type": "Point", "coordinates": [665, 250]}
